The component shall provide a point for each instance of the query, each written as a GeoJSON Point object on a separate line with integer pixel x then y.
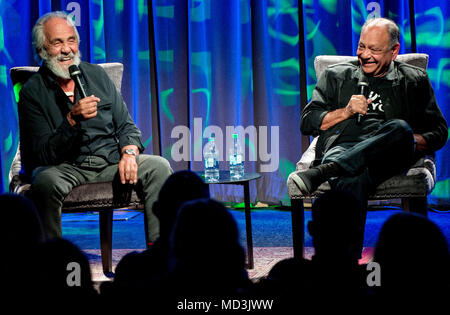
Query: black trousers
{"type": "Point", "coordinates": [388, 152]}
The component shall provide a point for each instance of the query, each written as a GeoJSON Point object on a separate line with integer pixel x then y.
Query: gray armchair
{"type": "Point", "coordinates": [412, 187]}
{"type": "Point", "coordinates": [102, 197]}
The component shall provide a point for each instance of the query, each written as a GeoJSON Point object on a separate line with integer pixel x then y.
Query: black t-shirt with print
{"type": "Point", "coordinates": [371, 121]}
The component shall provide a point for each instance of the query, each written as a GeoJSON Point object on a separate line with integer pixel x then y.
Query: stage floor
{"type": "Point", "coordinates": [265, 258]}
{"type": "Point", "coordinates": [272, 235]}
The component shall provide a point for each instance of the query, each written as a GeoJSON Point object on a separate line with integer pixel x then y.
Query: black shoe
{"type": "Point", "coordinates": [308, 181]}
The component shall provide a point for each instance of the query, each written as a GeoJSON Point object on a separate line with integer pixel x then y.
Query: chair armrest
{"type": "Point", "coordinates": [307, 157]}
{"type": "Point", "coordinates": [14, 183]}
{"type": "Point", "coordinates": [18, 186]}
{"type": "Point", "coordinates": [429, 163]}
{"type": "Point", "coordinates": [16, 165]}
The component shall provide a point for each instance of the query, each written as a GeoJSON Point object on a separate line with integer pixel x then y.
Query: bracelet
{"type": "Point", "coordinates": [72, 121]}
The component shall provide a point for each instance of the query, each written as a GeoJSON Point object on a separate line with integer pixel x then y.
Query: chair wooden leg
{"type": "Point", "coordinates": [416, 205]}
{"type": "Point", "coordinates": [298, 218]}
{"type": "Point", "coordinates": [106, 222]}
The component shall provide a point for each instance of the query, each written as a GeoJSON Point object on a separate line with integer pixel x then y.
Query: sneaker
{"type": "Point", "coordinates": [308, 181]}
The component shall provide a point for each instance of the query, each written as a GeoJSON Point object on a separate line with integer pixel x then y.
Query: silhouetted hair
{"type": "Point", "coordinates": [413, 253]}
{"type": "Point", "coordinates": [57, 259]}
{"type": "Point", "coordinates": [205, 238]}
{"type": "Point", "coordinates": [22, 228]}
{"type": "Point", "coordinates": [180, 187]}
{"type": "Point", "coordinates": [336, 218]}
{"type": "Point", "coordinates": [204, 227]}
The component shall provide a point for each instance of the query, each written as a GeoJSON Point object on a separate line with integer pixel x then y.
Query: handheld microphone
{"type": "Point", "coordinates": [75, 74]}
{"type": "Point", "coordinates": [363, 89]}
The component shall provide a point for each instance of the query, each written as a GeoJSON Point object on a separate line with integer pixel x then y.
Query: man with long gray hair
{"type": "Point", "coordinates": [68, 139]}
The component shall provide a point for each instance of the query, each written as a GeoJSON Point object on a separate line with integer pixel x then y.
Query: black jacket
{"type": "Point", "coordinates": [47, 138]}
{"type": "Point", "coordinates": [409, 96]}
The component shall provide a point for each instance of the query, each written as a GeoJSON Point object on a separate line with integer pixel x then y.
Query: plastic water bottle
{"type": "Point", "coordinates": [211, 156]}
{"type": "Point", "coordinates": [236, 160]}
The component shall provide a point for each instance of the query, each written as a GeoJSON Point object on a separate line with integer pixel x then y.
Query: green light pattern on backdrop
{"type": "Point", "coordinates": [17, 88]}
{"type": "Point", "coordinates": [323, 20]}
{"type": "Point", "coordinates": [119, 6]}
{"type": "Point", "coordinates": [8, 142]}
{"type": "Point", "coordinates": [165, 104]}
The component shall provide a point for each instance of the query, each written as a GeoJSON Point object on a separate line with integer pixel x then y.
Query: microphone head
{"type": "Point", "coordinates": [362, 83]}
{"type": "Point", "coordinates": [74, 71]}
{"type": "Point", "coordinates": [363, 87]}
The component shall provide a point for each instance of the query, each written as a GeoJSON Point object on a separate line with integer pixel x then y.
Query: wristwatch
{"type": "Point", "coordinates": [129, 151]}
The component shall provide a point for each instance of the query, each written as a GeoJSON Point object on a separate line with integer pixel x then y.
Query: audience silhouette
{"type": "Point", "coordinates": [199, 256]}
{"type": "Point", "coordinates": [333, 272]}
{"type": "Point", "coordinates": [20, 235]}
{"type": "Point", "coordinates": [26, 235]}
{"type": "Point", "coordinates": [62, 273]}
{"type": "Point", "coordinates": [335, 229]}
{"type": "Point", "coordinates": [205, 239]}
{"type": "Point", "coordinates": [34, 269]}
{"type": "Point", "coordinates": [139, 272]}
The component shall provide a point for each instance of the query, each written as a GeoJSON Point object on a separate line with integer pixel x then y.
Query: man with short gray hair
{"type": "Point", "coordinates": [366, 139]}
{"type": "Point", "coordinates": [68, 139]}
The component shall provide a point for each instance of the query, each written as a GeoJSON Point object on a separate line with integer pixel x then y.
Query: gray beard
{"type": "Point", "coordinates": [57, 69]}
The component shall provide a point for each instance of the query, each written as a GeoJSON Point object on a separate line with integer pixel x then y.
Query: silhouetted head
{"type": "Point", "coordinates": [413, 254]}
{"type": "Point", "coordinates": [22, 228]}
{"type": "Point", "coordinates": [205, 238]}
{"type": "Point", "coordinates": [180, 187]}
{"type": "Point", "coordinates": [335, 226]}
{"type": "Point", "coordinates": [62, 269]}
{"type": "Point", "coordinates": [20, 235]}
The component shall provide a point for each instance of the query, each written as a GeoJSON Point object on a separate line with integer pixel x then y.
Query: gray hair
{"type": "Point", "coordinates": [391, 27]}
{"type": "Point", "coordinates": [38, 30]}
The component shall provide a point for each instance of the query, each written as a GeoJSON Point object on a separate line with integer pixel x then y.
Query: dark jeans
{"type": "Point", "coordinates": [388, 152]}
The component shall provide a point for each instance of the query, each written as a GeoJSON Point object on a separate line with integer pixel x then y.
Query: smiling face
{"type": "Point", "coordinates": [61, 46]}
{"type": "Point", "coordinates": [375, 52]}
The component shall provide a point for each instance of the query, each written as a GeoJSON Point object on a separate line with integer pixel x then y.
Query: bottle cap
{"type": "Point", "coordinates": [235, 135]}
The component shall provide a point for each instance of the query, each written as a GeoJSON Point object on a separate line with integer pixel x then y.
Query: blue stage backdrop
{"type": "Point", "coordinates": [223, 66]}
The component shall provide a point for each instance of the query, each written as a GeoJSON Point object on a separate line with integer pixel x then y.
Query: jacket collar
{"type": "Point", "coordinates": [391, 74]}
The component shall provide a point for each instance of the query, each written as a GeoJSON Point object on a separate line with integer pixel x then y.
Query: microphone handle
{"type": "Point", "coordinates": [362, 90]}
{"type": "Point", "coordinates": [358, 119]}
{"type": "Point", "coordinates": [80, 86]}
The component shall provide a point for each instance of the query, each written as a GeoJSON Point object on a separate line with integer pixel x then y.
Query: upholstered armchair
{"type": "Point", "coordinates": [412, 187]}
{"type": "Point", "coordinates": [102, 197]}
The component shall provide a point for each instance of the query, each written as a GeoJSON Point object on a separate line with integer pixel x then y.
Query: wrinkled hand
{"type": "Point", "coordinates": [84, 109]}
{"type": "Point", "coordinates": [358, 104]}
{"type": "Point", "coordinates": [128, 169]}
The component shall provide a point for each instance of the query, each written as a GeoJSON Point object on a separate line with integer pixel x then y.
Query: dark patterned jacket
{"type": "Point", "coordinates": [47, 138]}
{"type": "Point", "coordinates": [409, 96]}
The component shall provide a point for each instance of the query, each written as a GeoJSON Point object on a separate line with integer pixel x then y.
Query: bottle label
{"type": "Point", "coordinates": [209, 162]}
{"type": "Point", "coordinates": [235, 159]}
